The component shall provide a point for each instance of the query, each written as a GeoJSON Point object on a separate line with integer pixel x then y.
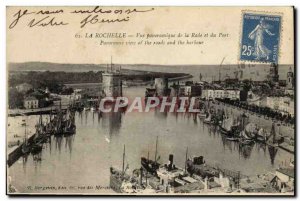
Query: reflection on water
{"type": "Point", "coordinates": [272, 152]}
{"type": "Point", "coordinates": [112, 121]}
{"type": "Point", "coordinates": [85, 158]}
{"type": "Point", "coordinates": [58, 142]}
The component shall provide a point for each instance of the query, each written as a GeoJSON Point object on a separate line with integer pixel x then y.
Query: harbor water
{"type": "Point", "coordinates": [81, 162]}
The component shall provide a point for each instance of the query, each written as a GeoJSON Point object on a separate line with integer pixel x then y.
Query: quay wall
{"type": "Point", "coordinates": [46, 110]}
{"type": "Point", "coordinates": [14, 155]}
{"type": "Point", "coordinates": [261, 121]}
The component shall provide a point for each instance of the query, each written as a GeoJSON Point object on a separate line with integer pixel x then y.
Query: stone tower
{"type": "Point", "coordinates": [161, 86]}
{"type": "Point", "coordinates": [112, 83]}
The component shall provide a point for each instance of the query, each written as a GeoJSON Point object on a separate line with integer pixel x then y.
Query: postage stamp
{"type": "Point", "coordinates": [260, 37]}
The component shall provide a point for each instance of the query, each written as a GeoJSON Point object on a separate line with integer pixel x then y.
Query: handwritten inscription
{"type": "Point", "coordinates": [94, 20]}
{"type": "Point", "coordinates": [45, 22]}
{"type": "Point", "coordinates": [54, 18]}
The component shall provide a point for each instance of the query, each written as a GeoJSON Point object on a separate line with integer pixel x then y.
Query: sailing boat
{"type": "Point", "coordinates": [38, 138]}
{"type": "Point", "coordinates": [273, 139]}
{"type": "Point", "coordinates": [117, 177]}
{"type": "Point", "coordinates": [202, 114]}
{"type": "Point", "coordinates": [186, 159]}
{"type": "Point", "coordinates": [207, 120]}
{"type": "Point", "coordinates": [231, 130]}
{"type": "Point", "coordinates": [40, 134]}
{"type": "Point", "coordinates": [245, 135]}
{"type": "Point", "coordinates": [70, 127]}
{"type": "Point", "coordinates": [228, 126]}
{"type": "Point", "coordinates": [59, 122]}
{"type": "Point", "coordinates": [150, 165]}
{"type": "Point", "coordinates": [25, 146]}
{"type": "Point", "coordinates": [36, 148]}
{"type": "Point", "coordinates": [245, 139]}
{"type": "Point", "coordinates": [50, 125]}
{"type": "Point", "coordinates": [262, 135]}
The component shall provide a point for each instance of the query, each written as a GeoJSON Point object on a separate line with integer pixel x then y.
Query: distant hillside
{"type": "Point", "coordinates": [208, 72]}
{"type": "Point", "coordinates": [46, 66]}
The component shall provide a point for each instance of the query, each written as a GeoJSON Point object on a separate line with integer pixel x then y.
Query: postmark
{"type": "Point", "coordinates": [260, 37]}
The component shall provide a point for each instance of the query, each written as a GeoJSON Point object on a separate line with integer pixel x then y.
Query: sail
{"type": "Point", "coordinates": [208, 118]}
{"type": "Point", "coordinates": [228, 123]}
{"type": "Point", "coordinates": [244, 135]}
{"type": "Point", "coordinates": [262, 132]}
{"type": "Point", "coordinates": [251, 128]}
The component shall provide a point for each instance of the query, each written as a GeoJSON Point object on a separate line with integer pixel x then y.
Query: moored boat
{"type": "Point", "coordinates": [118, 178]}
{"type": "Point", "coordinates": [245, 141]}
{"type": "Point", "coordinates": [150, 165]}
{"type": "Point", "coordinates": [36, 148]}
{"type": "Point", "coordinates": [70, 127]}
{"type": "Point", "coordinates": [201, 115]}
{"type": "Point", "coordinates": [25, 146]}
{"type": "Point", "coordinates": [262, 135]}
{"type": "Point", "coordinates": [208, 119]}
{"type": "Point", "coordinates": [228, 126]}
{"type": "Point", "coordinates": [232, 138]}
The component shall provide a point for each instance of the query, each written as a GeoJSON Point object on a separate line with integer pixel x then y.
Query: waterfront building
{"type": "Point", "coordinates": [289, 92]}
{"type": "Point", "coordinates": [68, 98]}
{"type": "Point", "coordinates": [231, 94]}
{"type": "Point", "coordinates": [254, 99]}
{"type": "Point", "coordinates": [190, 90]}
{"type": "Point", "coordinates": [222, 180]}
{"type": "Point", "coordinates": [47, 91]}
{"type": "Point", "coordinates": [208, 94]}
{"type": "Point", "coordinates": [283, 180]}
{"type": "Point", "coordinates": [31, 102]}
{"type": "Point", "coordinates": [77, 94]}
{"type": "Point", "coordinates": [283, 104]}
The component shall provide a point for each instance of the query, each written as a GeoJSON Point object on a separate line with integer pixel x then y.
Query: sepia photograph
{"type": "Point", "coordinates": [150, 101]}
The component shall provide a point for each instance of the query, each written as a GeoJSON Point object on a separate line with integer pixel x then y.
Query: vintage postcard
{"type": "Point", "coordinates": [150, 101]}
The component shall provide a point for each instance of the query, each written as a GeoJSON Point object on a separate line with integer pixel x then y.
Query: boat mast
{"type": "Point", "coordinates": [156, 149]}
{"type": "Point", "coordinates": [41, 119]}
{"type": "Point", "coordinates": [273, 133]}
{"type": "Point", "coordinates": [50, 115]}
{"type": "Point", "coordinates": [146, 168]}
{"type": "Point", "coordinates": [186, 155]}
{"type": "Point", "coordinates": [111, 64]}
{"type": "Point", "coordinates": [25, 135]}
{"type": "Point", "coordinates": [123, 159]}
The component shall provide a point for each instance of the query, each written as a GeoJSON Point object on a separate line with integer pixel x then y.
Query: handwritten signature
{"type": "Point", "coordinates": [44, 18]}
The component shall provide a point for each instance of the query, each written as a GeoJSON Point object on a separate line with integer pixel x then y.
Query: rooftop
{"type": "Point", "coordinates": [30, 98]}
{"type": "Point", "coordinates": [287, 171]}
